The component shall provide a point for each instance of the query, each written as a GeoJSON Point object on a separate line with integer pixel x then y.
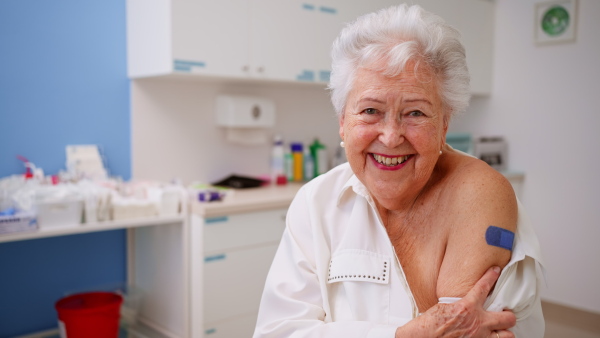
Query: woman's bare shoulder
{"type": "Point", "coordinates": [479, 197]}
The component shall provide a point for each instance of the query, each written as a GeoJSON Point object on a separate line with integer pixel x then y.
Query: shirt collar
{"type": "Point", "coordinates": [353, 185]}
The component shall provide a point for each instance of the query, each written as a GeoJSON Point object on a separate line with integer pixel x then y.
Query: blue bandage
{"type": "Point", "coordinates": [500, 237]}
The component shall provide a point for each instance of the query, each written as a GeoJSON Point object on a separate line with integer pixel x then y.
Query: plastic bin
{"type": "Point", "coordinates": [59, 214]}
{"type": "Point", "coordinates": [89, 315]}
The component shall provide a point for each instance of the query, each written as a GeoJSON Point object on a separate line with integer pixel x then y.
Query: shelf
{"type": "Point", "coordinates": [90, 227]}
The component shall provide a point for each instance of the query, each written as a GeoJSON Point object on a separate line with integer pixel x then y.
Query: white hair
{"type": "Point", "coordinates": [394, 36]}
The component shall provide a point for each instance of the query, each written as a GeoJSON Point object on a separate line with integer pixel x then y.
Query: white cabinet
{"type": "Point", "coordinates": [228, 278]}
{"type": "Point", "coordinates": [258, 39]}
{"type": "Point", "coordinates": [275, 40]}
{"type": "Point", "coordinates": [208, 37]}
{"type": "Point", "coordinates": [234, 281]}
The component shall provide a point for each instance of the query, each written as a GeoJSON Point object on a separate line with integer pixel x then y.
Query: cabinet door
{"type": "Point", "coordinates": [210, 37]}
{"type": "Point", "coordinates": [235, 232]}
{"type": "Point", "coordinates": [234, 281]}
{"type": "Point", "coordinates": [282, 40]}
{"type": "Point", "coordinates": [330, 17]}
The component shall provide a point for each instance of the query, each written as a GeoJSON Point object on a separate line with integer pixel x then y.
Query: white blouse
{"type": "Point", "coordinates": [336, 273]}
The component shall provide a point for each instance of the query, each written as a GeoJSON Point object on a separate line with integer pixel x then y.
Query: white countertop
{"type": "Point", "coordinates": [248, 200]}
{"type": "Point", "coordinates": [269, 197]}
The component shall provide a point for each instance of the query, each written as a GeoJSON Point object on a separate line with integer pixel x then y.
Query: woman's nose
{"type": "Point", "coordinates": [392, 133]}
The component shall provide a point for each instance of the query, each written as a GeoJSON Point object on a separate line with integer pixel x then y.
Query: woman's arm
{"type": "Point", "coordinates": [483, 198]}
{"type": "Point", "coordinates": [488, 199]}
{"type": "Point", "coordinates": [465, 318]}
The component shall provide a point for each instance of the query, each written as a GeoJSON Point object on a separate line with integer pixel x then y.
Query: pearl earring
{"type": "Point", "coordinates": [440, 152]}
{"type": "Point", "coordinates": [342, 144]}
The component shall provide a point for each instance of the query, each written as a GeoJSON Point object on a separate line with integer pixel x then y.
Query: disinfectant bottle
{"type": "Point", "coordinates": [319, 154]}
{"type": "Point", "coordinates": [309, 165]}
{"type": "Point", "coordinates": [278, 162]}
{"type": "Point", "coordinates": [288, 164]}
{"type": "Point", "coordinates": [298, 163]}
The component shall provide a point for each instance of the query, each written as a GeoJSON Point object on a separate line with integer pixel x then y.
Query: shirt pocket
{"type": "Point", "coordinates": [358, 286]}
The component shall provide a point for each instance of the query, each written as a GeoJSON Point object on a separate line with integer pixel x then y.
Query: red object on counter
{"type": "Point", "coordinates": [90, 315]}
{"type": "Point", "coordinates": [28, 174]}
{"type": "Point", "coordinates": [281, 180]}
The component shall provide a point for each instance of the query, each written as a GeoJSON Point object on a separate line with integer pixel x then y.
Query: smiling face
{"type": "Point", "coordinates": [393, 129]}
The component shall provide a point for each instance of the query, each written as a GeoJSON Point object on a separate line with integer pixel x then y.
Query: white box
{"type": "Point", "coordinates": [20, 222]}
{"type": "Point", "coordinates": [59, 214]}
{"type": "Point", "coordinates": [245, 112]}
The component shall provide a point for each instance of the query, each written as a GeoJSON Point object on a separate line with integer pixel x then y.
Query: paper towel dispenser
{"type": "Point", "coordinates": [245, 112]}
{"type": "Point", "coordinates": [246, 118]}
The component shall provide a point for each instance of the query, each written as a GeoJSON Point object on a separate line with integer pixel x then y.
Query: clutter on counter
{"type": "Point", "coordinates": [28, 204]}
{"type": "Point", "coordinates": [298, 162]}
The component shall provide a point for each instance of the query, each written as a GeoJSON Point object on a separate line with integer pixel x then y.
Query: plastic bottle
{"type": "Point", "coordinates": [298, 163]}
{"type": "Point", "coordinates": [277, 162]}
{"type": "Point", "coordinates": [309, 165]}
{"type": "Point", "coordinates": [319, 154]}
{"type": "Point", "coordinates": [288, 163]}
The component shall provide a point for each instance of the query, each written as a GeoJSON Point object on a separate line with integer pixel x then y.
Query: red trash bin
{"type": "Point", "coordinates": [90, 315]}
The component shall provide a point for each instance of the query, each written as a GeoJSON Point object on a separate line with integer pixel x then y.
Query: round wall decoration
{"type": "Point", "coordinates": [555, 21]}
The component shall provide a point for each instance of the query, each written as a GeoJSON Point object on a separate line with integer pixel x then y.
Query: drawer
{"type": "Point", "coordinates": [242, 230]}
{"type": "Point", "coordinates": [238, 327]}
{"type": "Point", "coordinates": [234, 281]}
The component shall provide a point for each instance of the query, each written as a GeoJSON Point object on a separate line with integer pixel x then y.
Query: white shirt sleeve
{"type": "Point", "coordinates": [294, 299]}
{"type": "Point", "coordinates": [518, 290]}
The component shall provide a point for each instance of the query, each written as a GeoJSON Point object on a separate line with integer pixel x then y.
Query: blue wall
{"type": "Point", "coordinates": [62, 81]}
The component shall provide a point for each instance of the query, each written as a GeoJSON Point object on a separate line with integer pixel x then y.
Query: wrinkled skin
{"type": "Point", "coordinates": [465, 318]}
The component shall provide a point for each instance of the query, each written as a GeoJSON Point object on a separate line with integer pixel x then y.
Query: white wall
{"type": "Point", "coordinates": [174, 132]}
{"type": "Point", "coordinates": [546, 101]}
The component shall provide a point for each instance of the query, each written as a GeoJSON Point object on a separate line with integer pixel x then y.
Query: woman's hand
{"type": "Point", "coordinates": [465, 318]}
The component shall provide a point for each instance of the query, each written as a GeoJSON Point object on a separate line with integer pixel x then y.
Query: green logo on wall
{"type": "Point", "coordinates": [555, 21]}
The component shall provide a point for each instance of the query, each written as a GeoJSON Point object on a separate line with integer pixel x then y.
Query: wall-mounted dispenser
{"type": "Point", "coordinates": [246, 118]}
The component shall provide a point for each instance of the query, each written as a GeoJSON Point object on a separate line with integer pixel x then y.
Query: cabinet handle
{"type": "Point", "coordinates": [245, 68]}
{"type": "Point", "coordinates": [261, 69]}
{"type": "Point", "coordinates": [214, 258]}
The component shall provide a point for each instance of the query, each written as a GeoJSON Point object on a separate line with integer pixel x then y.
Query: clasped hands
{"type": "Point", "coordinates": [464, 318]}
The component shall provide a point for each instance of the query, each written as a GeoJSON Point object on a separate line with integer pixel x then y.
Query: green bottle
{"type": "Point", "coordinates": [319, 154]}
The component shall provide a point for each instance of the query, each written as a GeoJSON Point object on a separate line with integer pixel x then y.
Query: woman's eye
{"type": "Point", "coordinates": [370, 111]}
{"type": "Point", "coordinates": [416, 113]}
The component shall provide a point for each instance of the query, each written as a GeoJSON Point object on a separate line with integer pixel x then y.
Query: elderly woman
{"type": "Point", "coordinates": [406, 239]}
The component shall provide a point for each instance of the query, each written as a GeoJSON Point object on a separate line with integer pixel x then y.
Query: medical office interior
{"type": "Point", "coordinates": [123, 75]}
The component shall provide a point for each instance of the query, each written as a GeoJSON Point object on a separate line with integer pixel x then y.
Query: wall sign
{"type": "Point", "coordinates": [555, 21]}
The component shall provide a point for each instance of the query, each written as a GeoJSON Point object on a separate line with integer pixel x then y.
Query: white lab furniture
{"type": "Point", "coordinates": [272, 39]}
{"type": "Point", "coordinates": [233, 244]}
{"type": "Point", "coordinates": [141, 261]}
{"type": "Point", "coordinates": [201, 273]}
